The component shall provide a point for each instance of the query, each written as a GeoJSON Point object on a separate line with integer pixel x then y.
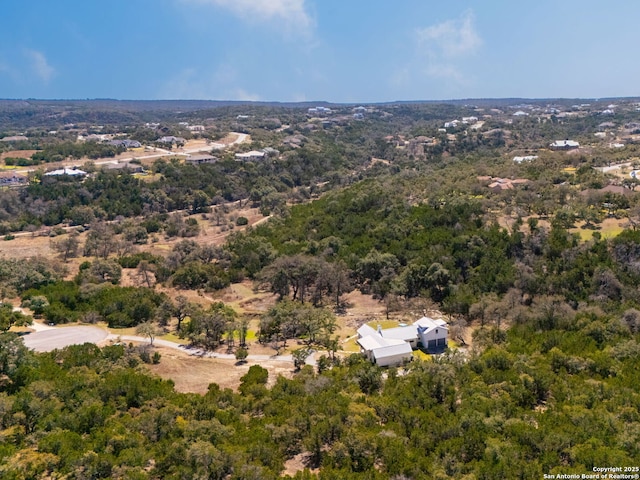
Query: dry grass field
{"type": "Point", "coordinates": [194, 374]}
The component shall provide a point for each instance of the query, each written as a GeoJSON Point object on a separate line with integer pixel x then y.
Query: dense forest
{"type": "Point", "coordinates": [538, 282]}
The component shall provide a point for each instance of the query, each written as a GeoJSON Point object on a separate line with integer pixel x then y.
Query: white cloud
{"type": "Point", "coordinates": [441, 52]}
{"type": "Point", "coordinates": [39, 65]}
{"type": "Point", "coordinates": [293, 13]}
{"type": "Point", "coordinates": [451, 39]}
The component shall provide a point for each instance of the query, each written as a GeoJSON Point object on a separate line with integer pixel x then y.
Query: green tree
{"type": "Point", "coordinates": [300, 355]}
{"type": "Point", "coordinates": [102, 271]}
{"type": "Point", "coordinates": [10, 317]}
{"type": "Point", "coordinates": [148, 329]}
{"type": "Point", "coordinates": [67, 247]}
{"type": "Point", "coordinates": [199, 201]}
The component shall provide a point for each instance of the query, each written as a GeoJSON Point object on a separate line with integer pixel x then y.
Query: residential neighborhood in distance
{"type": "Point", "coordinates": [372, 267]}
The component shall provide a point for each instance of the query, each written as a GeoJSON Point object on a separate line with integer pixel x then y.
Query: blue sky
{"type": "Point", "coordinates": [306, 50]}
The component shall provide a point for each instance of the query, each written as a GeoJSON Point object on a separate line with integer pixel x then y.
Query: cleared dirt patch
{"type": "Point", "coordinates": [17, 154]}
{"type": "Point", "coordinates": [26, 246]}
{"type": "Point", "coordinates": [298, 463]}
{"type": "Point", "coordinates": [194, 374]}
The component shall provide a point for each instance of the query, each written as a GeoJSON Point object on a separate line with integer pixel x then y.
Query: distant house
{"type": "Point", "coordinates": [170, 139]}
{"type": "Point", "coordinates": [14, 138]}
{"type": "Point", "coordinates": [564, 145]}
{"type": "Point", "coordinates": [394, 346]}
{"type": "Point", "coordinates": [294, 141]}
{"type": "Point", "coordinates": [501, 184]}
{"type": "Point", "coordinates": [319, 111]}
{"type": "Point", "coordinates": [200, 159]}
{"type": "Point", "coordinates": [251, 156]}
{"type": "Point", "coordinates": [70, 171]}
{"type": "Point", "coordinates": [609, 189]}
{"type": "Point", "coordinates": [126, 143]}
{"type": "Point", "coordinates": [11, 179]}
{"type": "Point", "coordinates": [526, 158]}
{"type": "Point", "coordinates": [124, 166]}
{"type": "Point", "coordinates": [95, 137]}
{"type": "Point", "coordinates": [271, 152]}
{"type": "Point", "coordinates": [196, 128]}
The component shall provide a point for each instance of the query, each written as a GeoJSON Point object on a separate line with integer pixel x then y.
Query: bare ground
{"type": "Point", "coordinates": [17, 154]}
{"type": "Point", "coordinates": [194, 374]}
{"type": "Point", "coordinates": [297, 464]}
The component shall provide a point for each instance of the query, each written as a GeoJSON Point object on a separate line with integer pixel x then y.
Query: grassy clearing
{"type": "Point", "coordinates": [172, 337]}
{"type": "Point", "coordinates": [350, 346]}
{"type": "Point", "coordinates": [384, 324]}
{"type": "Point", "coordinates": [609, 228]}
{"type": "Point", "coordinates": [419, 354]}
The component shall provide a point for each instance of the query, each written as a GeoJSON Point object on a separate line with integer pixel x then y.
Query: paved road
{"type": "Point", "coordinates": [47, 340]}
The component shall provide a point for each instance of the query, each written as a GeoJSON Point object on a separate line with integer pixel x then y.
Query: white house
{"type": "Point", "coordinates": [319, 110]}
{"type": "Point", "coordinates": [250, 156]}
{"type": "Point", "coordinates": [385, 352]}
{"type": "Point", "coordinates": [73, 172]}
{"type": "Point", "coordinates": [394, 346]}
{"type": "Point", "coordinates": [526, 158]}
{"type": "Point", "coordinates": [432, 334]}
{"type": "Point", "coordinates": [564, 145]}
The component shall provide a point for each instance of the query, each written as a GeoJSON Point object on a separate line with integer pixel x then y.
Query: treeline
{"type": "Point", "coordinates": [119, 307]}
{"type": "Point", "coordinates": [76, 151]}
